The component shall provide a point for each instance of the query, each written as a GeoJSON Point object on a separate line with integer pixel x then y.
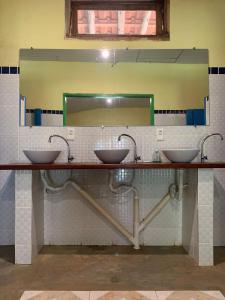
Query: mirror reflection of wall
{"type": "Point", "coordinates": [108, 110]}
{"type": "Point", "coordinates": [177, 78]}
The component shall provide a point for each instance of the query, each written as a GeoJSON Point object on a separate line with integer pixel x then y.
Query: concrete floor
{"type": "Point", "coordinates": [109, 268]}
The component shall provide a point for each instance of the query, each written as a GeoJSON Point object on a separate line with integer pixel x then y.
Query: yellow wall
{"type": "Point", "coordinates": [174, 86]}
{"type": "Point", "coordinates": [111, 116]}
{"type": "Point", "coordinates": [40, 24]}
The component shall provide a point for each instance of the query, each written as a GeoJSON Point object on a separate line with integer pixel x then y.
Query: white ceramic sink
{"type": "Point", "coordinates": [181, 155]}
{"type": "Point", "coordinates": [113, 156]}
{"type": "Point", "coordinates": [41, 156]}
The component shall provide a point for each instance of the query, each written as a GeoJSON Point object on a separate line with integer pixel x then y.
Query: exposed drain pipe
{"type": "Point", "coordinates": [137, 225]}
{"type": "Point", "coordinates": [157, 208]}
{"type": "Point", "coordinates": [180, 183]}
{"type": "Point", "coordinates": [136, 222]}
{"type": "Point", "coordinates": [82, 192]}
{"type": "Point", "coordinates": [136, 217]}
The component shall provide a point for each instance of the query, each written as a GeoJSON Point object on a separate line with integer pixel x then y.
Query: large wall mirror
{"type": "Point", "coordinates": [118, 87]}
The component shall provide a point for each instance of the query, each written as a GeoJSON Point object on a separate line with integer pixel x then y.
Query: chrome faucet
{"type": "Point", "coordinates": [204, 157]}
{"type": "Point", "coordinates": [69, 157]}
{"type": "Point", "coordinates": [136, 158]}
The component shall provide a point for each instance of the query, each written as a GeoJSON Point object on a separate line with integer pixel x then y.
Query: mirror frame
{"type": "Point", "coordinates": [67, 95]}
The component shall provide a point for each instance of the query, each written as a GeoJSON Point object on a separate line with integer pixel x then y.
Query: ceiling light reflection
{"type": "Point", "coordinates": [105, 53]}
{"type": "Point", "coordinates": [109, 100]}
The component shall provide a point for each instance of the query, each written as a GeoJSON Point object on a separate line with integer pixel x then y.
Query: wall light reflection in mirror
{"type": "Point", "coordinates": [109, 100]}
{"type": "Point", "coordinates": [105, 53]}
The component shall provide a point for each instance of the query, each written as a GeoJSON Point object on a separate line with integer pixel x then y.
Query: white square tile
{"type": "Point", "coordinates": [23, 254]}
{"type": "Point", "coordinates": [206, 255]}
{"type": "Point", "coordinates": [23, 226]}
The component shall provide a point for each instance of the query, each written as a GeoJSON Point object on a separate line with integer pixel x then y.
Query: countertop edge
{"type": "Point", "coordinates": [101, 166]}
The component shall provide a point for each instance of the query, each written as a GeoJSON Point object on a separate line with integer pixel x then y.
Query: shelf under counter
{"type": "Point", "coordinates": [100, 166]}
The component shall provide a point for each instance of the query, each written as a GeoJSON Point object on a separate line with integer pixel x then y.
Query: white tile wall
{"type": "Point", "coordinates": [29, 216]}
{"type": "Point", "coordinates": [52, 120]}
{"type": "Point", "coordinates": [198, 216]}
{"type": "Point", "coordinates": [170, 119]}
{"type": "Point", "coordinates": [9, 95]}
{"type": "Point", "coordinates": [23, 216]}
{"type": "Point", "coordinates": [64, 212]}
{"type": "Point", "coordinates": [7, 208]}
{"type": "Point", "coordinates": [38, 213]}
{"type": "Point", "coordinates": [189, 232]}
{"type": "Point", "coordinates": [87, 139]}
{"type": "Point", "coordinates": [46, 119]}
{"type": "Point", "coordinates": [205, 216]}
{"type": "Point", "coordinates": [217, 153]}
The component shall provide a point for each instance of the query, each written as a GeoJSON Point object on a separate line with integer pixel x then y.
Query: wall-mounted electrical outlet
{"type": "Point", "coordinates": [159, 134]}
{"type": "Point", "coordinates": [70, 134]}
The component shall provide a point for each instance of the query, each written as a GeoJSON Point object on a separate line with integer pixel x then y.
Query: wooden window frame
{"type": "Point", "coordinates": [160, 6]}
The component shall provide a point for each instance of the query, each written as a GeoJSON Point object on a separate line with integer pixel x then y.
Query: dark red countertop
{"type": "Point", "coordinates": [100, 166]}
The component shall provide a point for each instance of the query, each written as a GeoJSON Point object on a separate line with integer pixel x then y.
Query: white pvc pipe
{"type": "Point", "coordinates": [136, 222]}
{"type": "Point", "coordinates": [121, 228]}
{"type": "Point", "coordinates": [97, 206]}
{"type": "Point", "coordinates": [154, 212]}
{"type": "Point", "coordinates": [137, 225]}
{"type": "Point", "coordinates": [180, 184]}
{"type": "Point", "coordinates": [118, 190]}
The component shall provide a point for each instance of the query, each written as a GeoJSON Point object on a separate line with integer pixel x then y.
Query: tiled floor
{"type": "Point", "coordinates": [122, 295]}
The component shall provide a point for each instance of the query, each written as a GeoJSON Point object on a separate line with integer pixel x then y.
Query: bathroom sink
{"type": "Point", "coordinates": [181, 155]}
{"type": "Point", "coordinates": [113, 156]}
{"type": "Point", "coordinates": [41, 156]}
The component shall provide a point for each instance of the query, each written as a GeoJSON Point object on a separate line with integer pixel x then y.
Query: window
{"type": "Point", "coordinates": [118, 19]}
